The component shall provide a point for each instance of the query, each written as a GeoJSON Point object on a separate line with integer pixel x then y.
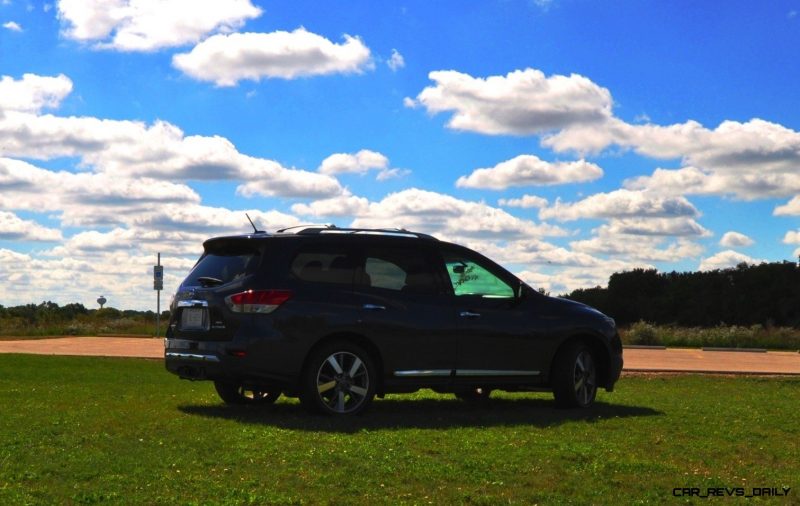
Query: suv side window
{"type": "Point", "coordinates": [324, 264]}
{"type": "Point", "coordinates": [399, 269]}
{"type": "Point", "coordinates": [469, 277]}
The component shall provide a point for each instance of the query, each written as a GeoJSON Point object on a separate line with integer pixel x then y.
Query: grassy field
{"type": "Point", "coordinates": [724, 336]}
{"type": "Point", "coordinates": [90, 430]}
{"type": "Point", "coordinates": [97, 323]}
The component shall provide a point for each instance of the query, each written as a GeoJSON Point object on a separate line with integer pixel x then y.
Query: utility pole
{"type": "Point", "coordinates": [158, 285]}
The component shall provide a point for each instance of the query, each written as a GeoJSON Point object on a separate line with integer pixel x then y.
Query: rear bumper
{"type": "Point", "coordinates": [221, 360]}
{"type": "Point", "coordinates": [194, 366]}
{"type": "Point", "coordinates": [196, 360]}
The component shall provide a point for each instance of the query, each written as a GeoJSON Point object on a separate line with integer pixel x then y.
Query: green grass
{"type": "Point", "coordinates": [90, 430]}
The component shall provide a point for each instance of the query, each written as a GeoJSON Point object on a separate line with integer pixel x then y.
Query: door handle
{"type": "Point", "coordinates": [373, 307]}
{"type": "Point", "coordinates": [469, 314]}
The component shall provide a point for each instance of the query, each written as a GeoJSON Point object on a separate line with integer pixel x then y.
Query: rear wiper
{"type": "Point", "coordinates": [206, 281]}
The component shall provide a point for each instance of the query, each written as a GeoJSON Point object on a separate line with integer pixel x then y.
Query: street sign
{"type": "Point", "coordinates": [158, 277]}
{"type": "Point", "coordinates": [158, 285]}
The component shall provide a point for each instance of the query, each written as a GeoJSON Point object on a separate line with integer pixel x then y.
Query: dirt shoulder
{"type": "Point", "coordinates": [88, 346]}
{"type": "Point", "coordinates": [673, 360]}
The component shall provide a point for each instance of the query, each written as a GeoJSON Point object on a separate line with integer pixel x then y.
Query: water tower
{"type": "Point", "coordinates": [101, 300]}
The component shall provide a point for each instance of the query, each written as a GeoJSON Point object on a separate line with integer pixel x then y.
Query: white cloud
{"type": "Point", "coordinates": [118, 239]}
{"type": "Point", "coordinates": [13, 26]}
{"type": "Point", "coordinates": [124, 277]}
{"type": "Point", "coordinates": [14, 228]}
{"type": "Point", "coordinates": [211, 220]}
{"type": "Point", "coordinates": [751, 160]}
{"type": "Point", "coordinates": [273, 180]}
{"type": "Point", "coordinates": [746, 184]}
{"type": "Point", "coordinates": [130, 149]}
{"type": "Point", "coordinates": [522, 102]}
{"type": "Point", "coordinates": [567, 279]}
{"type": "Point", "coordinates": [148, 25]}
{"type": "Point", "coordinates": [395, 173]}
{"type": "Point", "coordinates": [791, 208]}
{"type": "Point", "coordinates": [358, 163]}
{"type": "Point", "coordinates": [639, 249]}
{"type": "Point", "coordinates": [84, 198]}
{"type": "Point", "coordinates": [32, 93]}
{"type": "Point", "coordinates": [620, 204]}
{"type": "Point", "coordinates": [676, 227]}
{"type": "Point", "coordinates": [734, 239]}
{"type": "Point", "coordinates": [432, 212]}
{"type": "Point", "coordinates": [361, 163]}
{"type": "Point", "coordinates": [341, 205]}
{"type": "Point", "coordinates": [529, 170]}
{"type": "Point", "coordinates": [226, 59]}
{"type": "Point", "coordinates": [725, 260]}
{"type": "Point", "coordinates": [526, 201]}
{"type": "Point", "coordinates": [792, 237]}
{"type": "Point", "coordinates": [396, 61]}
{"type": "Point", "coordinates": [526, 251]}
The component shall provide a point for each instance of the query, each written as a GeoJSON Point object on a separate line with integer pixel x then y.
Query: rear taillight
{"type": "Point", "coordinates": [257, 301]}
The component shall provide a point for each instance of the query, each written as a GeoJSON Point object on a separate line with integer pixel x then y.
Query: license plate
{"type": "Point", "coordinates": [193, 319]}
{"type": "Point", "coordinates": [177, 344]}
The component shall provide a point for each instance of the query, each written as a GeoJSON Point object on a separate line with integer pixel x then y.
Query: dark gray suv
{"type": "Point", "coordinates": [336, 316]}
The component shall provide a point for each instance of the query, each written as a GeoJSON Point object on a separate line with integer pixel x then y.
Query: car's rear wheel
{"type": "Point", "coordinates": [575, 377]}
{"type": "Point", "coordinates": [236, 393]}
{"type": "Point", "coordinates": [339, 379]}
{"type": "Point", "coordinates": [474, 394]}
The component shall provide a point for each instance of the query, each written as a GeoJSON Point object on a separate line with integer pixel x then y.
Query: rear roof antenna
{"type": "Point", "coordinates": [255, 230]}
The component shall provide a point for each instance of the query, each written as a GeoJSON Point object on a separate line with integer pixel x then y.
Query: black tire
{"type": "Point", "coordinates": [236, 394]}
{"type": "Point", "coordinates": [474, 394]}
{"type": "Point", "coordinates": [339, 379]}
{"type": "Point", "coordinates": [575, 376]}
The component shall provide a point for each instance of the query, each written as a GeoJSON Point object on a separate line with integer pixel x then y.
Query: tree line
{"type": "Point", "coordinates": [48, 312]}
{"type": "Point", "coordinates": [766, 294]}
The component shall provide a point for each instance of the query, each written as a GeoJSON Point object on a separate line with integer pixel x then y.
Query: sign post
{"type": "Point", "coordinates": [158, 285]}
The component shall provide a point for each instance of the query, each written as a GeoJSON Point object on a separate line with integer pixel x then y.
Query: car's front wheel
{"type": "Point", "coordinates": [237, 394]}
{"type": "Point", "coordinates": [339, 379]}
{"type": "Point", "coordinates": [575, 377]}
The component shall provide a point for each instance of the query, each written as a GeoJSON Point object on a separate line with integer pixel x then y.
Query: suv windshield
{"type": "Point", "coordinates": [223, 263]}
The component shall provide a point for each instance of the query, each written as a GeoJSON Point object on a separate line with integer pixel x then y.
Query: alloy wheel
{"type": "Point", "coordinates": [343, 382]}
{"type": "Point", "coordinates": [585, 378]}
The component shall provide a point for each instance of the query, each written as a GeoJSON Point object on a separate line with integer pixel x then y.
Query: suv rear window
{"type": "Point", "coordinates": [223, 263]}
{"type": "Point", "coordinates": [324, 264]}
{"type": "Point", "coordinates": [400, 269]}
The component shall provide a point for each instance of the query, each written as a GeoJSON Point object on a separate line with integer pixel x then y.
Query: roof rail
{"type": "Point", "coordinates": [333, 229]}
{"type": "Point", "coordinates": [315, 225]}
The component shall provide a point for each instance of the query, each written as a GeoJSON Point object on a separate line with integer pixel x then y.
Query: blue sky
{"type": "Point", "coordinates": [566, 139]}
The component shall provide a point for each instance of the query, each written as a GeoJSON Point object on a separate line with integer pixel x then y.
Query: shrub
{"type": "Point", "coordinates": [643, 333]}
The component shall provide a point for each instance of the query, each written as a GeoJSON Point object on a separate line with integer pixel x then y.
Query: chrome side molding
{"type": "Point", "coordinates": [495, 372]}
{"type": "Point", "coordinates": [426, 373]}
